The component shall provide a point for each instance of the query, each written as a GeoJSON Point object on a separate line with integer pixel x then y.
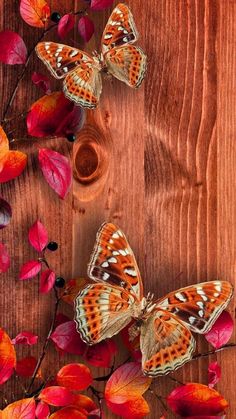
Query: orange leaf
{"type": "Point", "coordinates": [12, 165]}
{"type": "Point", "coordinates": [7, 357]}
{"type": "Point", "coordinates": [194, 399]}
{"type": "Point", "coordinates": [72, 288]}
{"type": "Point", "coordinates": [22, 409]}
{"type": "Point", "coordinates": [126, 383]}
{"type": "Point", "coordinates": [68, 412]}
{"type": "Point", "coordinates": [74, 376]}
{"type": "Point", "coordinates": [35, 12]}
{"type": "Point", "coordinates": [133, 408]}
{"type": "Point", "coordinates": [83, 402]}
{"type": "Point", "coordinates": [4, 145]}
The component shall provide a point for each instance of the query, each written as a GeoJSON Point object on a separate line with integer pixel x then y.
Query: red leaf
{"type": "Point", "coordinates": [126, 383]}
{"type": "Point", "coordinates": [38, 236]}
{"type": "Point", "coordinates": [101, 355]}
{"type": "Point", "coordinates": [75, 377]}
{"type": "Point", "coordinates": [221, 330]}
{"type": "Point", "coordinates": [214, 374]}
{"type": "Point", "coordinates": [81, 401]}
{"type": "Point", "coordinates": [5, 213]}
{"type": "Point", "coordinates": [25, 367]}
{"type": "Point", "coordinates": [25, 338]}
{"type": "Point", "coordinates": [56, 170]}
{"type": "Point", "coordinates": [54, 114]}
{"type": "Point", "coordinates": [30, 269]}
{"type": "Point", "coordinates": [42, 411]}
{"type": "Point", "coordinates": [61, 318]}
{"type": "Point", "coordinates": [68, 413]}
{"type": "Point", "coordinates": [35, 12]}
{"type": "Point", "coordinates": [132, 409]}
{"type": "Point", "coordinates": [196, 399]}
{"type": "Point", "coordinates": [47, 281]}
{"type": "Point", "coordinates": [56, 396]}
{"type": "Point", "coordinates": [86, 28]}
{"type": "Point", "coordinates": [66, 24]}
{"type": "Point", "coordinates": [4, 259]}
{"type": "Point", "coordinates": [67, 339]}
{"type": "Point", "coordinates": [101, 4]}
{"type": "Point", "coordinates": [7, 357]}
{"type": "Point", "coordinates": [12, 162]}
{"type": "Point", "coordinates": [22, 409]}
{"type": "Point", "coordinates": [42, 82]}
{"type": "Point", "coordinates": [13, 49]}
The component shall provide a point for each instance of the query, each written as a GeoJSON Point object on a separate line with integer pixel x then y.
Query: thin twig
{"type": "Point", "coordinates": [213, 351]}
{"type": "Point", "coordinates": [160, 398]}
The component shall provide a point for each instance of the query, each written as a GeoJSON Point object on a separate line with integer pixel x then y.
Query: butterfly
{"type": "Point", "coordinates": [104, 308]}
{"type": "Point", "coordinates": [82, 72]}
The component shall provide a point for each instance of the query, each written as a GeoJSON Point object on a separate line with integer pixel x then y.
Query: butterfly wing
{"type": "Point", "coordinates": [128, 64]}
{"type": "Point", "coordinates": [198, 306]}
{"type": "Point", "coordinates": [113, 261]}
{"type": "Point", "coordinates": [84, 85]}
{"type": "Point", "coordinates": [101, 311]}
{"type": "Point", "coordinates": [120, 29]}
{"type": "Point", "coordinates": [166, 344]}
{"type": "Point", "coordinates": [61, 59]}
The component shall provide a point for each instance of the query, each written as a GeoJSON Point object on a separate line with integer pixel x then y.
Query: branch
{"type": "Point", "coordinates": [213, 351]}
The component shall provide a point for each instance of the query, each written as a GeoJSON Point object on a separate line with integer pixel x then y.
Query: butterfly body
{"type": "Point", "coordinates": [165, 325]}
{"type": "Point", "coordinates": [82, 72]}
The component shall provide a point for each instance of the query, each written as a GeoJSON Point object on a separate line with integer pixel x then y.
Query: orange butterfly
{"type": "Point", "coordinates": [165, 325]}
{"type": "Point", "coordinates": [82, 72]}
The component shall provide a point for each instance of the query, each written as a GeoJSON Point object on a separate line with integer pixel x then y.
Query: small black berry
{"type": "Point", "coordinates": [71, 138]}
{"type": "Point", "coordinates": [55, 17]}
{"type": "Point", "coordinates": [52, 246]}
{"type": "Point", "coordinates": [60, 282]}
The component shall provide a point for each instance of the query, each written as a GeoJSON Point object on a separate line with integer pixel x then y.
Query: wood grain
{"type": "Point", "coordinates": [167, 160]}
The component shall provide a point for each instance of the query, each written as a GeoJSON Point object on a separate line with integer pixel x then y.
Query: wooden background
{"type": "Point", "coordinates": [166, 171]}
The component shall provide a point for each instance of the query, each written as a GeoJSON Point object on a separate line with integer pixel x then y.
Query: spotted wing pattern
{"type": "Point", "coordinates": [61, 59]}
{"type": "Point", "coordinates": [113, 261]}
{"type": "Point", "coordinates": [120, 29]}
{"type": "Point", "coordinates": [128, 64]}
{"type": "Point", "coordinates": [166, 344]}
{"type": "Point", "coordinates": [101, 311]}
{"type": "Point", "coordinates": [198, 306]}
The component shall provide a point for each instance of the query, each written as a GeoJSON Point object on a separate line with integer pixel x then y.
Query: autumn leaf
{"type": "Point", "coordinates": [80, 401]}
{"type": "Point", "coordinates": [101, 4]}
{"type": "Point", "coordinates": [196, 399]}
{"type": "Point", "coordinates": [7, 357]}
{"type": "Point", "coordinates": [5, 213]}
{"type": "Point", "coordinates": [42, 411]}
{"type": "Point", "coordinates": [56, 170]}
{"type": "Point", "coordinates": [67, 339]}
{"type": "Point", "coordinates": [68, 412]}
{"type": "Point", "coordinates": [13, 49]}
{"type": "Point", "coordinates": [30, 269]}
{"type": "Point", "coordinates": [4, 259]}
{"type": "Point", "coordinates": [12, 163]}
{"type": "Point", "coordinates": [214, 374]}
{"type": "Point", "coordinates": [35, 12]}
{"type": "Point", "coordinates": [22, 409]}
{"type": "Point", "coordinates": [47, 281]}
{"type": "Point", "coordinates": [75, 377]}
{"type": "Point", "coordinates": [101, 354]}
{"type": "Point", "coordinates": [221, 330]}
{"type": "Point", "coordinates": [86, 28]}
{"type": "Point", "coordinates": [42, 82]}
{"type": "Point", "coordinates": [66, 24]}
{"type": "Point", "coordinates": [25, 338]}
{"type": "Point", "coordinates": [38, 236]}
{"type": "Point", "coordinates": [25, 367]}
{"type": "Point", "coordinates": [56, 396]}
{"type": "Point", "coordinates": [132, 409]}
{"type": "Point", "coordinates": [72, 288]}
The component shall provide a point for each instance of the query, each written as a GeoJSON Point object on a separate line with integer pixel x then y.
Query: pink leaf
{"type": "Point", "coordinates": [42, 411]}
{"type": "Point", "coordinates": [38, 236]}
{"type": "Point", "coordinates": [25, 338]}
{"type": "Point", "coordinates": [67, 339]}
{"type": "Point", "coordinates": [13, 49]}
{"type": "Point", "coordinates": [61, 318]}
{"type": "Point", "coordinates": [214, 374]}
{"type": "Point", "coordinates": [4, 259]}
{"type": "Point", "coordinates": [65, 25]}
{"type": "Point", "coordinates": [30, 269]}
{"type": "Point", "coordinates": [56, 396]}
{"type": "Point", "coordinates": [101, 354]}
{"type": "Point", "coordinates": [100, 4]}
{"type": "Point", "coordinates": [86, 28]}
{"type": "Point", "coordinates": [221, 331]}
{"type": "Point", "coordinates": [42, 82]}
{"type": "Point", "coordinates": [47, 281]}
{"type": "Point", "coordinates": [56, 170]}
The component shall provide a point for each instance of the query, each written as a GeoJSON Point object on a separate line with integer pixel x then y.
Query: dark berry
{"type": "Point", "coordinates": [55, 17]}
{"type": "Point", "coordinates": [52, 246]}
{"type": "Point", "coordinates": [60, 282]}
{"type": "Point", "coordinates": [71, 138]}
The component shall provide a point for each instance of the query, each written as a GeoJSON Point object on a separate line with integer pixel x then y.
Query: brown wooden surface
{"type": "Point", "coordinates": [167, 177]}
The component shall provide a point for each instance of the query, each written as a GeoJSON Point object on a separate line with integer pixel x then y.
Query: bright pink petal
{"type": "Point", "coordinates": [30, 269]}
{"type": "Point", "coordinates": [42, 82]}
{"type": "Point", "coordinates": [66, 24]}
{"type": "Point", "coordinates": [101, 4]}
{"type": "Point", "coordinates": [47, 281]}
{"type": "Point", "coordinates": [86, 28]}
{"type": "Point", "coordinates": [38, 236]}
{"type": "Point", "coordinates": [13, 49]}
{"type": "Point", "coordinates": [25, 338]}
{"type": "Point", "coordinates": [4, 259]}
{"type": "Point", "coordinates": [221, 330]}
{"type": "Point", "coordinates": [67, 339]}
{"type": "Point", "coordinates": [56, 170]}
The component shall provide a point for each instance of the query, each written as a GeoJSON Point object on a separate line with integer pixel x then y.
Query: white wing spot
{"type": "Point", "coordinates": [115, 236]}
{"type": "Point", "coordinates": [105, 264]}
{"type": "Point", "coordinates": [65, 69]}
{"type": "Point", "coordinates": [192, 319]}
{"type": "Point", "coordinates": [180, 297]}
{"type": "Point", "coordinates": [201, 313]}
{"type": "Point", "coordinates": [115, 253]}
{"type": "Point", "coordinates": [105, 276]}
{"type": "Point", "coordinates": [112, 260]}
{"type": "Point", "coordinates": [130, 272]}
{"type": "Point", "coordinates": [73, 53]}
{"type": "Point", "coordinates": [58, 65]}
{"type": "Point", "coordinates": [218, 288]}
{"type": "Point", "coordinates": [200, 304]}
{"type": "Point", "coordinates": [216, 294]}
